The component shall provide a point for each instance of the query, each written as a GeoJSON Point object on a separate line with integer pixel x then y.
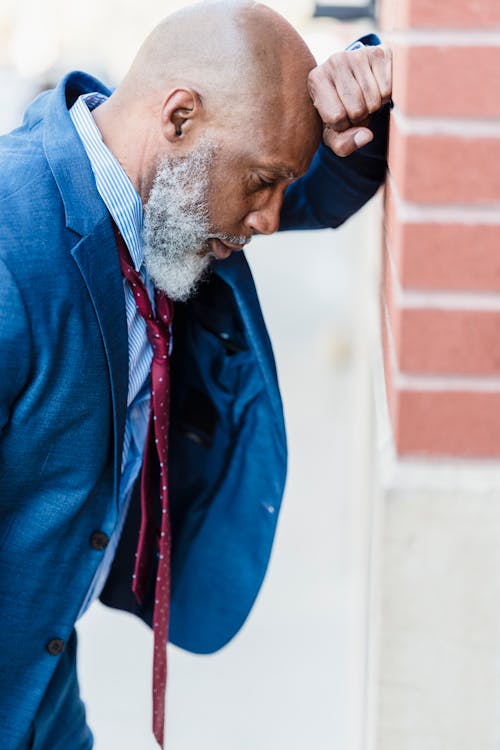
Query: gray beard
{"type": "Point", "coordinates": [176, 223]}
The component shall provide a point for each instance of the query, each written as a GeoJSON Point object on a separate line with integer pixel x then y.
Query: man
{"type": "Point", "coordinates": [212, 137]}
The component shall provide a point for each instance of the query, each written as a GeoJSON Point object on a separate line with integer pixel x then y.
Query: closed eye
{"type": "Point", "coordinates": [261, 182]}
{"type": "Point", "coordinates": [266, 183]}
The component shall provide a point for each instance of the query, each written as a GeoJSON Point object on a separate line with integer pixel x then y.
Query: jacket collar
{"type": "Point", "coordinates": [83, 206]}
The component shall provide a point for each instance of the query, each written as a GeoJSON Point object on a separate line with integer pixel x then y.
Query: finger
{"type": "Point", "coordinates": [368, 85]}
{"type": "Point", "coordinates": [347, 142]}
{"type": "Point", "coordinates": [351, 95]}
{"type": "Point", "coordinates": [326, 99]}
{"type": "Point", "coordinates": [381, 65]}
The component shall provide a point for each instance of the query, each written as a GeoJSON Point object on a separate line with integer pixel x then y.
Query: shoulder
{"type": "Point", "coordinates": [22, 160]}
{"type": "Point", "coordinates": [29, 199]}
{"type": "Point", "coordinates": [31, 209]}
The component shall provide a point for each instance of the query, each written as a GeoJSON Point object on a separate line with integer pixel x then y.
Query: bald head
{"type": "Point", "coordinates": [231, 51]}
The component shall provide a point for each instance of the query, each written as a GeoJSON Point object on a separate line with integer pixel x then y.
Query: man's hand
{"type": "Point", "coordinates": [346, 90]}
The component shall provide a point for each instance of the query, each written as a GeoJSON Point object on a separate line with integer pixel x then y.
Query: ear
{"type": "Point", "coordinates": [180, 111]}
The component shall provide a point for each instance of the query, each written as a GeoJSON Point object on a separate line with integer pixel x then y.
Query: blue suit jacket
{"type": "Point", "coordinates": [63, 394]}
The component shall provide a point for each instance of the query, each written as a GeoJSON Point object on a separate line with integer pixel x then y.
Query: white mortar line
{"type": "Point", "coordinates": [462, 127]}
{"type": "Point", "coordinates": [440, 300]}
{"type": "Point", "coordinates": [414, 213]}
{"type": "Point", "coordinates": [436, 383]}
{"type": "Point", "coordinates": [444, 37]}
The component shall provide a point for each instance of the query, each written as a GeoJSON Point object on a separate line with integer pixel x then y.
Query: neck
{"type": "Point", "coordinates": [123, 139]}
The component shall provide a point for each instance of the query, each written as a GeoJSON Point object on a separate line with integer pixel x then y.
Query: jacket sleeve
{"type": "Point", "coordinates": [15, 344]}
{"type": "Point", "coordinates": [335, 187]}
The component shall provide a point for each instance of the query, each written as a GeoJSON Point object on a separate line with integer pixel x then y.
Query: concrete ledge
{"type": "Point", "coordinates": [435, 591]}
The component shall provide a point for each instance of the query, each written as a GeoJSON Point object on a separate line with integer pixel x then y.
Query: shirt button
{"type": "Point", "coordinates": [55, 646]}
{"type": "Point", "coordinates": [99, 540]}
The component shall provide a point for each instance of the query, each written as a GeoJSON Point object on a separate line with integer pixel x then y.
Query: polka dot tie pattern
{"type": "Point", "coordinates": [152, 539]}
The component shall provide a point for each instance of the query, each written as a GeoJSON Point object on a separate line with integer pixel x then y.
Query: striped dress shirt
{"type": "Point", "coordinates": [125, 206]}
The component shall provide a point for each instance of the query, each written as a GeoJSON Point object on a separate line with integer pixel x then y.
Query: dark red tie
{"type": "Point", "coordinates": [152, 539]}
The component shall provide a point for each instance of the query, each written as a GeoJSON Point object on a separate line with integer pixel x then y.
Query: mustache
{"type": "Point", "coordinates": [234, 239]}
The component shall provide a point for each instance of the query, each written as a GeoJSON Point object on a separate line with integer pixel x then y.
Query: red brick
{"type": "Point", "coordinates": [432, 340]}
{"type": "Point", "coordinates": [403, 14]}
{"type": "Point", "coordinates": [453, 423]}
{"type": "Point", "coordinates": [445, 168]}
{"type": "Point", "coordinates": [454, 257]}
{"type": "Point", "coordinates": [447, 81]}
{"type": "Point", "coordinates": [449, 341]}
{"type": "Point", "coordinates": [441, 423]}
{"type": "Point", "coordinates": [451, 256]}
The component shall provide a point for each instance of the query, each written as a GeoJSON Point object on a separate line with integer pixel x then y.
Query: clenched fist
{"type": "Point", "coordinates": [348, 88]}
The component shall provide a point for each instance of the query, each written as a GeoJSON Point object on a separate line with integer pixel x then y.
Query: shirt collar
{"type": "Point", "coordinates": [114, 186]}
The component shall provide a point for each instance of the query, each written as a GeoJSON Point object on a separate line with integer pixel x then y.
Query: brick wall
{"type": "Point", "coordinates": [441, 291]}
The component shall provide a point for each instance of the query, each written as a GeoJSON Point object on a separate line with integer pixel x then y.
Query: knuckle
{"type": "Point", "coordinates": [357, 112]}
{"type": "Point", "coordinates": [336, 115]}
{"type": "Point", "coordinates": [336, 144]}
{"type": "Point", "coordinates": [337, 121]}
{"type": "Point", "coordinates": [342, 149]}
{"type": "Point", "coordinates": [313, 76]}
{"type": "Point", "coordinates": [338, 60]}
{"type": "Point", "coordinates": [358, 57]}
{"type": "Point", "coordinates": [378, 53]}
{"type": "Point", "coordinates": [317, 79]}
{"type": "Point", "coordinates": [312, 88]}
{"type": "Point", "coordinates": [374, 104]}
{"type": "Point", "coordinates": [327, 110]}
{"type": "Point", "coordinates": [386, 92]}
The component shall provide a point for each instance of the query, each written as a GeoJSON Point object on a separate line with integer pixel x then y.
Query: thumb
{"type": "Point", "coordinates": [347, 141]}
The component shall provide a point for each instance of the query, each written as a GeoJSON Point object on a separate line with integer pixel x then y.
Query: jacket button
{"type": "Point", "coordinates": [99, 540]}
{"type": "Point", "coordinates": [55, 646]}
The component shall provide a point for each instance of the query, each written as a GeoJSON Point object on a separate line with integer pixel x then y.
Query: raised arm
{"type": "Point", "coordinates": [351, 91]}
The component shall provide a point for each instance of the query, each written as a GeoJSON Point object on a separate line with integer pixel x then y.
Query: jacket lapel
{"type": "Point", "coordinates": [94, 250]}
{"type": "Point", "coordinates": [97, 259]}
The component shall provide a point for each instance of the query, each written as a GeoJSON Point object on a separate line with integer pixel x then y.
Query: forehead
{"type": "Point", "coordinates": [285, 132]}
{"type": "Point", "coordinates": [283, 150]}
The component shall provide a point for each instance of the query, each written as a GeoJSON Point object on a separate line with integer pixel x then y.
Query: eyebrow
{"type": "Point", "coordinates": [279, 169]}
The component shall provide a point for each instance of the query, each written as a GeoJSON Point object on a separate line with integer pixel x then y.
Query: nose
{"type": "Point", "coordinates": [266, 218]}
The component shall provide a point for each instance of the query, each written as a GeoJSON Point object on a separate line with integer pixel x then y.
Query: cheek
{"type": "Point", "coordinates": [229, 205]}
